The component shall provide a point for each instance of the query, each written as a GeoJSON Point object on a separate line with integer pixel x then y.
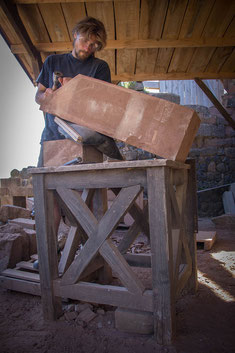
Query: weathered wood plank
{"type": "Point", "coordinates": [69, 250]}
{"type": "Point", "coordinates": [73, 13]}
{"type": "Point", "coordinates": [105, 294]}
{"type": "Point", "coordinates": [191, 224]}
{"type": "Point", "coordinates": [54, 20]}
{"type": "Point", "coordinates": [124, 272]}
{"type": "Point", "coordinates": [47, 247]}
{"type": "Point", "coordinates": [134, 230]}
{"type": "Point", "coordinates": [114, 165]}
{"type": "Point", "coordinates": [97, 234]}
{"type": "Point", "coordinates": [29, 276]}
{"type": "Point", "coordinates": [161, 250]}
{"type": "Point", "coordinates": [97, 180]}
{"type": "Point", "coordinates": [19, 285]}
{"type": "Point", "coordinates": [138, 260]}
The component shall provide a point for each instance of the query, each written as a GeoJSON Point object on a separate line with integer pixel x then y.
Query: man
{"type": "Point", "coordinates": [89, 36]}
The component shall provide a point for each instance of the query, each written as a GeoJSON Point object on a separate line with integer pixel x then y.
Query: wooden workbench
{"type": "Point", "coordinates": [169, 219]}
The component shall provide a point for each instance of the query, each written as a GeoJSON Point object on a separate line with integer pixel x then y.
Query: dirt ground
{"type": "Point", "coordinates": [205, 321]}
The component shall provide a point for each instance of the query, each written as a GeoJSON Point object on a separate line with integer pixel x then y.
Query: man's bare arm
{"type": "Point", "coordinates": [42, 93]}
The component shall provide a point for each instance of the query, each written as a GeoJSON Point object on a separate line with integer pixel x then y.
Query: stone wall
{"type": "Point", "coordinates": [214, 152]}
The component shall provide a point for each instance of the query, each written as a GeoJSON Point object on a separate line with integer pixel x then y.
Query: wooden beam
{"type": "Point", "coordinates": [12, 14]}
{"type": "Point", "coordinates": [135, 44]}
{"type": "Point", "coordinates": [171, 76]}
{"type": "Point", "coordinates": [55, 1]}
{"type": "Point", "coordinates": [215, 101]}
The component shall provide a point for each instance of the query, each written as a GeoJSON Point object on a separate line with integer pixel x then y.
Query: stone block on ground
{"type": "Point", "coordinates": [134, 321]}
{"type": "Point", "coordinates": [14, 246]}
{"type": "Point", "coordinates": [31, 233]}
{"type": "Point", "coordinates": [228, 202]}
{"type": "Point", "coordinates": [11, 212]}
{"type": "Point", "coordinates": [23, 222]}
{"type": "Point", "coordinates": [86, 315]}
{"type": "Point", "coordinates": [226, 221]}
{"type": "Point", "coordinates": [137, 119]}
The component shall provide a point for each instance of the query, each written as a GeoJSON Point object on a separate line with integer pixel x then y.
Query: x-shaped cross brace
{"type": "Point", "coordinates": [98, 234]}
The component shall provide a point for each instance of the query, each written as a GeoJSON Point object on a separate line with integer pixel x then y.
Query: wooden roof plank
{"type": "Point", "coordinates": [171, 30]}
{"type": "Point", "coordinates": [55, 22]}
{"type": "Point", "coordinates": [14, 19]}
{"type": "Point", "coordinates": [104, 13]}
{"type": "Point", "coordinates": [200, 59]}
{"type": "Point", "coordinates": [220, 18]}
{"type": "Point", "coordinates": [181, 59]}
{"type": "Point", "coordinates": [218, 59]}
{"type": "Point", "coordinates": [127, 27]}
{"type": "Point", "coordinates": [145, 60]}
{"type": "Point", "coordinates": [152, 18]}
{"type": "Point", "coordinates": [58, 1]}
{"type": "Point", "coordinates": [73, 12]}
{"type": "Point", "coordinates": [228, 65]}
{"type": "Point", "coordinates": [195, 18]}
{"type": "Point", "coordinates": [33, 22]}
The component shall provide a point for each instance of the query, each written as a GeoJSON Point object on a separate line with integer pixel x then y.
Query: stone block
{"type": "Point", "coordinates": [87, 315]}
{"type": "Point", "coordinates": [226, 221]}
{"type": "Point", "coordinates": [11, 212]}
{"type": "Point", "coordinates": [23, 222]}
{"type": "Point", "coordinates": [31, 233]}
{"type": "Point", "coordinates": [155, 125]}
{"type": "Point", "coordinates": [134, 321]}
{"type": "Point", "coordinates": [56, 153]}
{"type": "Point", "coordinates": [14, 246]}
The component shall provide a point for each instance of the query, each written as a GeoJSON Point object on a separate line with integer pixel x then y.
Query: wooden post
{"type": "Point", "coordinates": [191, 224]}
{"type": "Point", "coordinates": [47, 247]}
{"type": "Point", "coordinates": [161, 250]}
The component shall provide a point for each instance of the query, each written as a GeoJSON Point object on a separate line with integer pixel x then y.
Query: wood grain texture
{"type": "Point", "coordinates": [161, 250]}
{"type": "Point", "coordinates": [47, 247]}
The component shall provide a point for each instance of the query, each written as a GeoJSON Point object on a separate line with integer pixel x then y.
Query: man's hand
{"type": "Point", "coordinates": [64, 80]}
{"type": "Point", "coordinates": [42, 93]}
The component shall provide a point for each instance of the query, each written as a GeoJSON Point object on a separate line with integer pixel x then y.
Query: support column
{"type": "Point", "coordinates": [47, 247]}
{"type": "Point", "coordinates": [161, 250]}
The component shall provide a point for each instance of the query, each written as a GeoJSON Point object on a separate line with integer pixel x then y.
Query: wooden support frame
{"type": "Point", "coordinates": [215, 102]}
{"type": "Point", "coordinates": [166, 185]}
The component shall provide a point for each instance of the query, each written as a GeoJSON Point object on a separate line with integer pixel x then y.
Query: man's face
{"type": "Point", "coordinates": [84, 47]}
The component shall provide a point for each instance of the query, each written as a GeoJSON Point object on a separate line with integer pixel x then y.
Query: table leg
{"type": "Point", "coordinates": [161, 253]}
{"type": "Point", "coordinates": [47, 247]}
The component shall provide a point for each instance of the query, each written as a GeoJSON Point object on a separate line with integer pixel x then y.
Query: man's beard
{"type": "Point", "coordinates": [82, 55]}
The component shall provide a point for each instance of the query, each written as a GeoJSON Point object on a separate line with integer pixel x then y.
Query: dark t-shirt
{"type": "Point", "coordinates": [70, 67]}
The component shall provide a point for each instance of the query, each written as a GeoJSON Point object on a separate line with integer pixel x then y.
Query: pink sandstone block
{"type": "Point", "coordinates": [155, 125]}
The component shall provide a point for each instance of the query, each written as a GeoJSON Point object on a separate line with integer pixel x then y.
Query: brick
{"type": "Point", "coordinates": [87, 315]}
{"type": "Point", "coordinates": [14, 246]}
{"type": "Point", "coordinates": [134, 321]}
{"type": "Point", "coordinates": [31, 233]}
{"type": "Point", "coordinates": [135, 118]}
{"type": "Point", "coordinates": [11, 212]}
{"type": "Point", "coordinates": [23, 222]}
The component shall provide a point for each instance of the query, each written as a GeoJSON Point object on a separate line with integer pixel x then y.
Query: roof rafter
{"type": "Point", "coordinates": [12, 14]}
{"type": "Point", "coordinates": [134, 44]}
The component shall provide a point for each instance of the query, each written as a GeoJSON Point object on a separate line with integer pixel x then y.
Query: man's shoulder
{"type": "Point", "coordinates": [99, 61]}
{"type": "Point", "coordinates": [54, 58]}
